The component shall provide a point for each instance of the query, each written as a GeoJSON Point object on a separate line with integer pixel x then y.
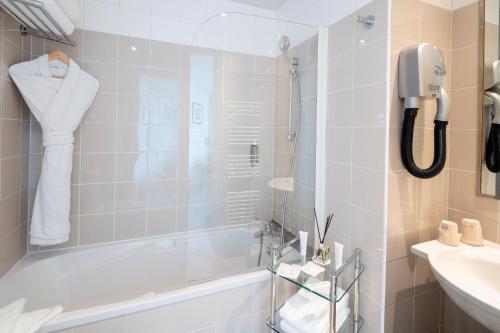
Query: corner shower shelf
{"type": "Point", "coordinates": [346, 277]}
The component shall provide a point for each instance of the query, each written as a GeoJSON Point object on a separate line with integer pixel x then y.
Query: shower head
{"type": "Point", "coordinates": [284, 44]}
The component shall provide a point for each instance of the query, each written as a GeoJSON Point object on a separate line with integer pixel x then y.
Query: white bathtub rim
{"type": "Point", "coordinates": [90, 315]}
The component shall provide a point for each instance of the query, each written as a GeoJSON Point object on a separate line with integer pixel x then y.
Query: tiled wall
{"type": "Point", "coordinates": [143, 165]}
{"type": "Point", "coordinates": [243, 309]}
{"type": "Point", "coordinates": [414, 300]}
{"type": "Point", "coordinates": [300, 213]}
{"type": "Point", "coordinates": [464, 200]}
{"type": "Point", "coordinates": [14, 148]}
{"type": "Point", "coordinates": [356, 147]}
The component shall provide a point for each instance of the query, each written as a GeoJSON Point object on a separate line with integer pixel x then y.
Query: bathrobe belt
{"type": "Point", "coordinates": [52, 138]}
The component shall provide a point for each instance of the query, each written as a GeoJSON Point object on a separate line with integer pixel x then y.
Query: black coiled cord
{"type": "Point", "coordinates": [407, 146]}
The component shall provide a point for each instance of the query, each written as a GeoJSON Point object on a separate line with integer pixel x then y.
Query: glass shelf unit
{"type": "Point", "coordinates": [345, 328]}
{"type": "Point", "coordinates": [340, 282]}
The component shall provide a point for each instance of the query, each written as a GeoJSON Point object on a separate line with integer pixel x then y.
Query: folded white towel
{"type": "Point", "coordinates": [287, 328]}
{"type": "Point", "coordinates": [322, 325]}
{"type": "Point", "coordinates": [52, 8]}
{"type": "Point", "coordinates": [306, 312]}
{"type": "Point", "coordinates": [13, 320]}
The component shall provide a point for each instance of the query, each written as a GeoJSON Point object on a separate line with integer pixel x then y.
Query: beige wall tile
{"type": "Point", "coordinates": [466, 26]}
{"type": "Point", "coordinates": [465, 67]}
{"type": "Point", "coordinates": [133, 80]}
{"type": "Point", "coordinates": [435, 26]}
{"type": "Point", "coordinates": [103, 109]}
{"type": "Point", "coordinates": [10, 176]}
{"type": "Point", "coordinates": [368, 147]}
{"type": "Point", "coordinates": [405, 19]}
{"type": "Point", "coordinates": [364, 35]}
{"type": "Point", "coordinates": [97, 168]}
{"type": "Point", "coordinates": [427, 309]}
{"type": "Point", "coordinates": [341, 37]}
{"type": "Point", "coordinates": [130, 225]}
{"type": "Point", "coordinates": [364, 72]}
{"type": "Point", "coordinates": [401, 235]}
{"type": "Point", "coordinates": [10, 250]}
{"type": "Point", "coordinates": [368, 189]}
{"type": "Point", "coordinates": [465, 104]}
{"type": "Point", "coordinates": [96, 229]}
{"type": "Point", "coordinates": [106, 73]}
{"type": "Point", "coordinates": [133, 51]}
{"type": "Point", "coordinates": [131, 166]}
{"type": "Point", "coordinates": [400, 280]}
{"type": "Point", "coordinates": [463, 196]}
{"type": "Point", "coordinates": [464, 154]}
{"type": "Point", "coordinates": [164, 55]}
{"type": "Point", "coordinates": [340, 72]}
{"type": "Point", "coordinates": [98, 138]}
{"type": "Point", "coordinates": [371, 109]}
{"type": "Point", "coordinates": [97, 198]}
{"type": "Point", "coordinates": [162, 221]}
{"type": "Point", "coordinates": [11, 138]}
{"type": "Point", "coordinates": [130, 196]}
{"type": "Point", "coordinates": [99, 46]}
{"type": "Point", "coordinates": [399, 317]}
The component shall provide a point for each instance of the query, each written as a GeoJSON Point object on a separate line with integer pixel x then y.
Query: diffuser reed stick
{"type": "Point", "coordinates": [328, 223]}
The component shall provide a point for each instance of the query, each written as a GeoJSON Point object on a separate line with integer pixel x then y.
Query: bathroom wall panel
{"type": "Point", "coordinates": [464, 200]}
{"type": "Point", "coordinates": [415, 206]}
{"type": "Point", "coordinates": [355, 152]}
{"type": "Point", "coordinates": [14, 149]}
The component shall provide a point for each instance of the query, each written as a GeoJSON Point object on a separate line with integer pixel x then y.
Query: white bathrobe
{"type": "Point", "coordinates": [59, 105]}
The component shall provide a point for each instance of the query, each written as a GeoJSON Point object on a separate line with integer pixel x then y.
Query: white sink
{"type": "Point", "coordinates": [470, 276]}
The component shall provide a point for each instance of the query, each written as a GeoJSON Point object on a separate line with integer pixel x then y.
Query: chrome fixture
{"type": "Point", "coordinates": [293, 131]}
{"type": "Point", "coordinates": [369, 20]}
{"type": "Point", "coordinates": [36, 20]}
{"type": "Point", "coordinates": [254, 154]}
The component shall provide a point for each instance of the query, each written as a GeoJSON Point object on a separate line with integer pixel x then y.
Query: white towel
{"type": "Point", "coordinates": [13, 320]}
{"type": "Point", "coordinates": [320, 326]}
{"type": "Point", "coordinates": [52, 8]}
{"type": "Point", "coordinates": [306, 312]}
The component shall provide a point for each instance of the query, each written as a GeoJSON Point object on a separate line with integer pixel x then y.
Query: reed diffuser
{"type": "Point", "coordinates": [322, 251]}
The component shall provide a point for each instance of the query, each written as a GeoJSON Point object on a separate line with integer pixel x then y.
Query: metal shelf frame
{"type": "Point", "coordinates": [30, 14]}
{"type": "Point", "coordinates": [353, 260]}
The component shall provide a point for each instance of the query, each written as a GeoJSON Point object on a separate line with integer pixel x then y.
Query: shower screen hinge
{"type": "Point", "coordinates": [369, 20]}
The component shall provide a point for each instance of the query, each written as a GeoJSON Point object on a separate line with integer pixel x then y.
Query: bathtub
{"type": "Point", "coordinates": [103, 282]}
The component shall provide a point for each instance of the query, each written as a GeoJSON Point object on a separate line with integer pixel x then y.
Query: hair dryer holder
{"type": "Point", "coordinates": [421, 72]}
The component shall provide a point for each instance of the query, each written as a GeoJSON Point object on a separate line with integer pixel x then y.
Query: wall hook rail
{"type": "Point", "coordinates": [369, 20]}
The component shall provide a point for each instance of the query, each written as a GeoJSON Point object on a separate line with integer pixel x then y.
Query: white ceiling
{"type": "Point", "coordinates": [268, 4]}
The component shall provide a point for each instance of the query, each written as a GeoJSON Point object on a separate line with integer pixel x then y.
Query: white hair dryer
{"type": "Point", "coordinates": [421, 72]}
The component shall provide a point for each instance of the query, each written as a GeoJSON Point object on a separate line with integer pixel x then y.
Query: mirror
{"type": "Point", "coordinates": [490, 148]}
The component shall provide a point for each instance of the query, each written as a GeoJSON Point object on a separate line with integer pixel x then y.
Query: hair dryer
{"type": "Point", "coordinates": [421, 72]}
{"type": "Point", "coordinates": [492, 92]}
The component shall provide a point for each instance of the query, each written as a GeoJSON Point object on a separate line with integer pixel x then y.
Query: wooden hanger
{"type": "Point", "coordinates": [59, 55]}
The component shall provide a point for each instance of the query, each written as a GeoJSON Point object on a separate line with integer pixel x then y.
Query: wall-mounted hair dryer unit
{"type": "Point", "coordinates": [421, 72]}
{"type": "Point", "coordinates": [492, 94]}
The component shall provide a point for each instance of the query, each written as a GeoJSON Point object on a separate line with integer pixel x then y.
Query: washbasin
{"type": "Point", "coordinates": [470, 276]}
